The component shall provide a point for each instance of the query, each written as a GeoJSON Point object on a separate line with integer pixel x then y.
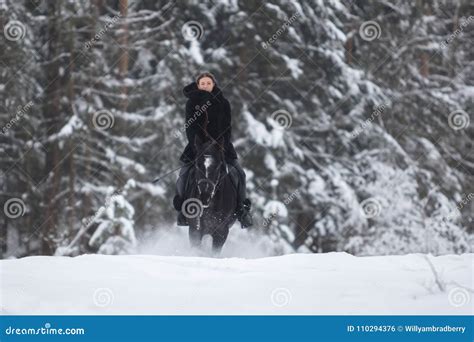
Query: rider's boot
{"type": "Point", "coordinates": [243, 214]}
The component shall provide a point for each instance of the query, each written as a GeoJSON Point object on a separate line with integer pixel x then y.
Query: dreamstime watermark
{"type": "Point", "coordinates": [192, 207]}
{"type": "Point", "coordinates": [103, 119]}
{"type": "Point", "coordinates": [98, 36]}
{"type": "Point", "coordinates": [46, 330]}
{"type": "Point", "coordinates": [458, 297]}
{"type": "Point", "coordinates": [377, 111]}
{"type": "Point", "coordinates": [14, 208]}
{"type": "Point", "coordinates": [20, 113]}
{"type": "Point", "coordinates": [103, 297]}
{"type": "Point", "coordinates": [108, 201]}
{"type": "Point", "coordinates": [192, 30]}
{"type": "Point", "coordinates": [371, 207]}
{"type": "Point", "coordinates": [349, 3]}
{"type": "Point", "coordinates": [459, 206]}
{"type": "Point", "coordinates": [281, 296]}
{"type": "Point", "coordinates": [282, 118]}
{"type": "Point", "coordinates": [269, 219]}
{"type": "Point", "coordinates": [457, 32]}
{"type": "Point", "coordinates": [198, 112]}
{"type": "Point", "coordinates": [14, 30]}
{"type": "Point", "coordinates": [370, 30]}
{"type": "Point", "coordinates": [281, 30]}
{"type": "Point", "coordinates": [288, 199]}
{"type": "Point", "coordinates": [458, 119]}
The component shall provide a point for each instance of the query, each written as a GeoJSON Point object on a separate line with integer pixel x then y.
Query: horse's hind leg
{"type": "Point", "coordinates": [218, 240]}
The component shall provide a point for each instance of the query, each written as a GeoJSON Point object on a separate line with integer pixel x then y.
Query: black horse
{"type": "Point", "coordinates": [212, 195]}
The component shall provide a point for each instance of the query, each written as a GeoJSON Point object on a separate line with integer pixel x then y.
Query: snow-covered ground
{"type": "Point", "coordinates": [331, 283]}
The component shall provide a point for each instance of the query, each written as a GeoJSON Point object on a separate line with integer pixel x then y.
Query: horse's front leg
{"type": "Point", "coordinates": [218, 239]}
{"type": "Point", "coordinates": [195, 234]}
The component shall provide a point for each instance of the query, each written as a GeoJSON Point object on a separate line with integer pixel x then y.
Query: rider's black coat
{"type": "Point", "coordinates": [214, 106]}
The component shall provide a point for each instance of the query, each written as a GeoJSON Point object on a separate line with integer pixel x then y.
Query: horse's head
{"type": "Point", "coordinates": [210, 165]}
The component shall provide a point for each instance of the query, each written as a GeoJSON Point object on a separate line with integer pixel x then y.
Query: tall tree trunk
{"type": "Point", "coordinates": [424, 8]}
{"type": "Point", "coordinates": [51, 112]}
{"type": "Point", "coordinates": [123, 63]}
{"type": "Point", "coordinates": [70, 92]}
{"type": "Point", "coordinates": [304, 220]}
{"type": "Point", "coordinates": [424, 60]}
{"type": "Point", "coordinates": [349, 46]}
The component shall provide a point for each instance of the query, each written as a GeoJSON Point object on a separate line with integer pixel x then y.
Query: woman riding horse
{"type": "Point", "coordinates": [208, 115]}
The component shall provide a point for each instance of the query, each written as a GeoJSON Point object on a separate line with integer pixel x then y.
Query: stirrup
{"type": "Point", "coordinates": [245, 219]}
{"type": "Point", "coordinates": [247, 204]}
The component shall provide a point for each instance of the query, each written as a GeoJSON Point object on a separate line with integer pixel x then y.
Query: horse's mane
{"type": "Point", "coordinates": [212, 147]}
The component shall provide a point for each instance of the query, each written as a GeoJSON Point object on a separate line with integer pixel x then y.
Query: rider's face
{"type": "Point", "coordinates": [206, 84]}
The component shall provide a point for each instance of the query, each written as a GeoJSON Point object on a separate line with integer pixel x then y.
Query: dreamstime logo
{"type": "Point", "coordinates": [14, 30]}
{"type": "Point", "coordinates": [280, 31]}
{"type": "Point", "coordinates": [349, 3]}
{"type": "Point", "coordinates": [270, 218]}
{"type": "Point", "coordinates": [47, 329]}
{"type": "Point", "coordinates": [459, 206]}
{"type": "Point", "coordinates": [457, 32]}
{"type": "Point", "coordinates": [283, 118]}
{"type": "Point", "coordinates": [98, 213]}
{"type": "Point", "coordinates": [192, 207]}
{"type": "Point", "coordinates": [199, 110]}
{"type": "Point", "coordinates": [103, 119]}
{"type": "Point", "coordinates": [103, 297]}
{"type": "Point", "coordinates": [288, 199]}
{"type": "Point", "coordinates": [371, 207]}
{"type": "Point", "coordinates": [14, 208]}
{"type": "Point", "coordinates": [98, 36]}
{"type": "Point", "coordinates": [291, 197]}
{"type": "Point", "coordinates": [378, 110]}
{"type": "Point", "coordinates": [458, 296]}
{"type": "Point", "coordinates": [281, 297]}
{"type": "Point", "coordinates": [458, 119]}
{"type": "Point", "coordinates": [177, 133]}
{"type": "Point", "coordinates": [19, 115]}
{"type": "Point", "coordinates": [370, 30]}
{"type": "Point", "coordinates": [192, 30]}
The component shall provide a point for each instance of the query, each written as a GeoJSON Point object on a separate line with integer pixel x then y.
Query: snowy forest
{"type": "Point", "coordinates": [352, 120]}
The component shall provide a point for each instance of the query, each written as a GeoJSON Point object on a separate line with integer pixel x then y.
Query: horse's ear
{"type": "Point", "coordinates": [222, 148]}
{"type": "Point", "coordinates": [197, 141]}
{"type": "Point", "coordinates": [220, 143]}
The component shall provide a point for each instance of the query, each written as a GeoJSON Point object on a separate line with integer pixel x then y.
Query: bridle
{"type": "Point", "coordinates": [207, 180]}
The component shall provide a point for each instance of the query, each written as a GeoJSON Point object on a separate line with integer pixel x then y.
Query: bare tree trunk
{"type": "Point", "coordinates": [51, 111]}
{"type": "Point", "coordinates": [424, 8]}
{"type": "Point", "coordinates": [454, 44]}
{"type": "Point", "coordinates": [304, 220]}
{"type": "Point", "coordinates": [425, 58]}
{"type": "Point", "coordinates": [349, 46]}
{"type": "Point", "coordinates": [123, 62]}
{"type": "Point", "coordinates": [71, 167]}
